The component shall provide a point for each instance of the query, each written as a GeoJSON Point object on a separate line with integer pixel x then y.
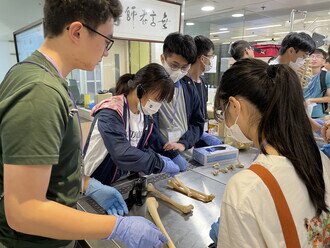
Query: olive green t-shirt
{"type": "Point", "coordinates": [36, 129]}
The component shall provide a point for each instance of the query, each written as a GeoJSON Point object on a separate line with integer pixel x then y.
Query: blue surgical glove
{"type": "Point", "coordinates": [107, 197]}
{"type": "Point", "coordinates": [181, 162]}
{"type": "Point", "coordinates": [169, 166]}
{"type": "Point", "coordinates": [211, 140]}
{"type": "Point", "coordinates": [214, 231]}
{"type": "Point", "coordinates": [137, 232]}
{"type": "Point", "coordinates": [321, 123]}
{"type": "Point", "coordinates": [326, 150]}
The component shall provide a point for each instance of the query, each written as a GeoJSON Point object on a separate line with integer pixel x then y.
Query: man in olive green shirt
{"type": "Point", "coordinates": [40, 151]}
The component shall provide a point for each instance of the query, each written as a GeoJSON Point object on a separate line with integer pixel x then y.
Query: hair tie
{"type": "Point", "coordinates": [130, 83]}
{"type": "Point", "coordinates": [272, 71]}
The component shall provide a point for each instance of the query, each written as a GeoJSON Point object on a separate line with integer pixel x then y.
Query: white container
{"type": "Point", "coordinates": [209, 155]}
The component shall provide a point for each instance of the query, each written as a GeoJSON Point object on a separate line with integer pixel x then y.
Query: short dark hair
{"type": "Point", "coordinates": [59, 13]}
{"type": "Point", "coordinates": [238, 47]}
{"type": "Point", "coordinates": [275, 90]}
{"type": "Point", "coordinates": [321, 51]}
{"type": "Point", "coordinates": [203, 45]}
{"type": "Point", "coordinates": [327, 60]}
{"type": "Point", "coordinates": [299, 41]}
{"type": "Point", "coordinates": [183, 45]}
{"type": "Point", "coordinates": [153, 78]}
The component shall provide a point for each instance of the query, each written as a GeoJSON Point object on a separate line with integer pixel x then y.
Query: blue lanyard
{"type": "Point", "coordinates": [201, 97]}
{"type": "Point", "coordinates": [175, 109]}
{"type": "Point", "coordinates": [129, 124]}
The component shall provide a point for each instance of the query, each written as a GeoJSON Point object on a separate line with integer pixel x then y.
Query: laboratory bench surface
{"type": "Point", "coordinates": [188, 230]}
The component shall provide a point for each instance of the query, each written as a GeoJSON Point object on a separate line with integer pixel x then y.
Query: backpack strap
{"type": "Point", "coordinates": [323, 89]}
{"type": "Point", "coordinates": [288, 227]}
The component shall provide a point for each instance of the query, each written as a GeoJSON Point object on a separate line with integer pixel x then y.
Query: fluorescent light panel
{"type": "Point", "coordinates": [237, 15]}
{"type": "Point", "coordinates": [286, 32]}
{"type": "Point", "coordinates": [207, 8]}
{"type": "Point", "coordinates": [269, 26]}
{"type": "Point", "coordinates": [221, 32]}
{"type": "Point", "coordinates": [245, 36]}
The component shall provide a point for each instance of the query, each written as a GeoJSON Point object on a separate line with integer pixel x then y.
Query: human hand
{"type": "Point", "coordinates": [211, 140]}
{"type": "Point", "coordinates": [326, 131]}
{"type": "Point", "coordinates": [215, 231]}
{"type": "Point", "coordinates": [174, 146]}
{"type": "Point", "coordinates": [137, 232]}
{"type": "Point", "coordinates": [309, 101]}
{"type": "Point", "coordinates": [107, 197]}
{"type": "Point", "coordinates": [169, 166]}
{"type": "Point", "coordinates": [181, 162]}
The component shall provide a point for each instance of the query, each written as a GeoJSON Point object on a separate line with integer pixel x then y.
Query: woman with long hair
{"type": "Point", "coordinates": [265, 104]}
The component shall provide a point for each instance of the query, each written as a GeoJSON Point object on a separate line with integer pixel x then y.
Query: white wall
{"type": "Point", "coordinates": [14, 14]}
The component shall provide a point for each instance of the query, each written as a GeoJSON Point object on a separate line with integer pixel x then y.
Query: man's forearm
{"type": "Point", "coordinates": [54, 220]}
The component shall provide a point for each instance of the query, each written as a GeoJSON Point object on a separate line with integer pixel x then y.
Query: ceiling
{"type": "Point", "coordinates": [258, 16]}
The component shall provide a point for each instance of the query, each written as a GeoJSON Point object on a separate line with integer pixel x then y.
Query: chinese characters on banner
{"type": "Point", "coordinates": [145, 18]}
{"type": "Point", "coordinates": [148, 20]}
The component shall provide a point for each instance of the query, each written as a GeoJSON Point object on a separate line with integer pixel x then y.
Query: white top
{"type": "Point", "coordinates": [135, 122]}
{"type": "Point", "coordinates": [248, 214]}
{"type": "Point", "coordinates": [275, 61]}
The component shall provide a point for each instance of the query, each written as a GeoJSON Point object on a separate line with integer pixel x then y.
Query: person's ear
{"type": "Point", "coordinates": [234, 105]}
{"type": "Point", "coordinates": [162, 58]}
{"type": "Point", "coordinates": [74, 31]}
{"type": "Point", "coordinates": [292, 51]}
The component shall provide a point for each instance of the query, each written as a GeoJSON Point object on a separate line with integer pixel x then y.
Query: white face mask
{"type": "Point", "coordinates": [298, 64]}
{"type": "Point", "coordinates": [208, 67]}
{"type": "Point", "coordinates": [235, 131]}
{"type": "Point", "coordinates": [150, 108]}
{"type": "Point", "coordinates": [175, 75]}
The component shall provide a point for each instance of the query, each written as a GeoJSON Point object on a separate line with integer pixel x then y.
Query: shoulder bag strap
{"type": "Point", "coordinates": [288, 227]}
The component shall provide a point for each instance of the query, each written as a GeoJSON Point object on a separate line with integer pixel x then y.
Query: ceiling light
{"type": "Point", "coordinates": [326, 20]}
{"type": "Point", "coordinates": [329, 13]}
{"type": "Point", "coordinates": [215, 39]}
{"type": "Point", "coordinates": [190, 24]}
{"type": "Point", "coordinates": [223, 29]}
{"type": "Point", "coordinates": [237, 15]}
{"type": "Point", "coordinates": [267, 39]}
{"type": "Point", "coordinates": [182, 14]}
{"type": "Point", "coordinates": [245, 36]}
{"type": "Point", "coordinates": [261, 27]}
{"type": "Point", "coordinates": [221, 32]}
{"type": "Point", "coordinates": [286, 32]}
{"type": "Point", "coordinates": [207, 8]}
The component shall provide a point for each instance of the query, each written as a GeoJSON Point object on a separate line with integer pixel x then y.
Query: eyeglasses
{"type": "Point", "coordinates": [109, 41]}
{"type": "Point", "coordinates": [209, 56]}
{"type": "Point", "coordinates": [316, 56]}
{"type": "Point", "coordinates": [184, 68]}
{"type": "Point", "coordinates": [220, 114]}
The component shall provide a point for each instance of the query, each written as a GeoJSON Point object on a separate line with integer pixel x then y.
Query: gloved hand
{"type": "Point", "coordinates": [211, 140]}
{"type": "Point", "coordinates": [214, 231]}
{"type": "Point", "coordinates": [181, 162]}
{"type": "Point", "coordinates": [326, 150]}
{"type": "Point", "coordinates": [321, 123]}
{"type": "Point", "coordinates": [107, 197]}
{"type": "Point", "coordinates": [169, 166]}
{"type": "Point", "coordinates": [137, 232]}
